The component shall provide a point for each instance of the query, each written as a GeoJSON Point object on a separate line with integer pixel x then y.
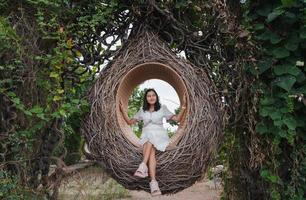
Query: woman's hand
{"type": "Point", "coordinates": [124, 114]}
{"type": "Point", "coordinates": [179, 116]}
{"type": "Point", "coordinates": [125, 117]}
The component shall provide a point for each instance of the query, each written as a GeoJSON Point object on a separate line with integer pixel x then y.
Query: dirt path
{"type": "Point", "coordinates": [94, 184]}
{"type": "Point", "coordinates": [199, 191]}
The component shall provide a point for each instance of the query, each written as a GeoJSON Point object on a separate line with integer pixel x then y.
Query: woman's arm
{"type": "Point", "coordinates": [125, 116]}
{"type": "Point", "coordinates": [179, 116]}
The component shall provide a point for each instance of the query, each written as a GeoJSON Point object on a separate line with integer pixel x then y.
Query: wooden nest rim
{"type": "Point", "coordinates": [136, 76]}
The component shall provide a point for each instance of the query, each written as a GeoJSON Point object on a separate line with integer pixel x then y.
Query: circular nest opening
{"type": "Point", "coordinates": [138, 75]}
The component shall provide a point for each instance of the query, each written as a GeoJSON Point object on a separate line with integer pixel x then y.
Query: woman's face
{"type": "Point", "coordinates": [151, 97]}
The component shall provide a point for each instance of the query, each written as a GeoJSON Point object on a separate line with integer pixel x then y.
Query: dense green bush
{"type": "Point", "coordinates": [280, 29]}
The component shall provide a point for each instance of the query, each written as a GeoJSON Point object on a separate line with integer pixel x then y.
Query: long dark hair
{"type": "Point", "coordinates": [146, 105]}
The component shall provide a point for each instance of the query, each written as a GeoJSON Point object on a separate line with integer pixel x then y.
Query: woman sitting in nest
{"type": "Point", "coordinates": [154, 135]}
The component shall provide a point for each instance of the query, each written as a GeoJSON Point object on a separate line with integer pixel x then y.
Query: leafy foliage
{"type": "Point", "coordinates": [279, 28]}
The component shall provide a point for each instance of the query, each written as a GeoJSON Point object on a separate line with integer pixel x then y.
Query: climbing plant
{"type": "Point", "coordinates": [280, 30]}
{"type": "Point", "coordinates": [44, 75]}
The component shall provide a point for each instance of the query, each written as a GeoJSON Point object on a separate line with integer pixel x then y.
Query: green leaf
{"type": "Point", "coordinates": [275, 195]}
{"type": "Point", "coordinates": [56, 98]}
{"type": "Point", "coordinates": [278, 122]}
{"type": "Point", "coordinates": [265, 10]}
{"type": "Point", "coordinates": [54, 75]}
{"type": "Point", "coordinates": [269, 35]}
{"type": "Point", "coordinates": [288, 3]}
{"type": "Point", "coordinates": [282, 133]}
{"type": "Point", "coordinates": [27, 113]}
{"type": "Point", "coordinates": [75, 101]}
{"type": "Point", "coordinates": [259, 26]}
{"type": "Point", "coordinates": [66, 106]}
{"type": "Point", "coordinates": [16, 100]}
{"type": "Point", "coordinates": [11, 94]}
{"type": "Point", "coordinates": [264, 65]}
{"type": "Point", "coordinates": [290, 138]}
{"type": "Point", "coordinates": [286, 82]}
{"type": "Point", "coordinates": [280, 52]}
{"type": "Point", "coordinates": [60, 91]}
{"type": "Point", "coordinates": [267, 175]}
{"type": "Point", "coordinates": [290, 123]}
{"type": "Point", "coordinates": [37, 110]}
{"type": "Point", "coordinates": [286, 69]}
{"type": "Point", "coordinates": [267, 101]}
{"type": "Point", "coordinates": [265, 35]}
{"type": "Point", "coordinates": [291, 46]}
{"type": "Point", "coordinates": [274, 38]}
{"type": "Point", "coordinates": [274, 179]}
{"type": "Point", "coordinates": [275, 115]}
{"type": "Point", "coordinates": [261, 128]}
{"type": "Point", "coordinates": [62, 112]}
{"type": "Point", "coordinates": [41, 116]}
{"type": "Point", "coordinates": [56, 115]}
{"type": "Point", "coordinates": [265, 111]}
{"type": "Point", "coordinates": [285, 110]}
{"type": "Point", "coordinates": [300, 77]}
{"type": "Point", "coordinates": [273, 15]}
{"type": "Point", "coordinates": [264, 173]}
{"type": "Point", "coordinates": [292, 42]}
{"type": "Point", "coordinates": [290, 18]}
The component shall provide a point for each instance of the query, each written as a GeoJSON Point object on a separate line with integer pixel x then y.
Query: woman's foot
{"type": "Point", "coordinates": [142, 170]}
{"type": "Point", "coordinates": [154, 188]}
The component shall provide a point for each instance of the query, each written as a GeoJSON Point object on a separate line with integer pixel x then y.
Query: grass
{"type": "Point", "coordinates": [91, 184]}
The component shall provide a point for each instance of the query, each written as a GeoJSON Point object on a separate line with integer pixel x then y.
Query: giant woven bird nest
{"type": "Point", "coordinates": [111, 141]}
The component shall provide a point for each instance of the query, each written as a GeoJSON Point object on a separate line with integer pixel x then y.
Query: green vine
{"type": "Point", "coordinates": [279, 27]}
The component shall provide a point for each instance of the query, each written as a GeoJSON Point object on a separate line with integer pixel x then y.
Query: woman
{"type": "Point", "coordinates": [154, 136]}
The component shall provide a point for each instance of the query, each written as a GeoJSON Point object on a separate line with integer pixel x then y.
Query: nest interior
{"type": "Point", "coordinates": [111, 141]}
{"type": "Point", "coordinates": [136, 76]}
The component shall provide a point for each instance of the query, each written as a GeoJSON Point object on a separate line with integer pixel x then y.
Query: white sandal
{"type": "Point", "coordinates": [155, 191]}
{"type": "Point", "coordinates": [142, 170]}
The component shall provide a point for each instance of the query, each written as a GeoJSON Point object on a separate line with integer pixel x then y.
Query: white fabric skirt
{"type": "Point", "coordinates": [156, 134]}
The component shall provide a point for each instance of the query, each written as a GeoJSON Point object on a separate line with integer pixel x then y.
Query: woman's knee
{"type": "Point", "coordinates": [149, 144]}
{"type": "Point", "coordinates": [152, 153]}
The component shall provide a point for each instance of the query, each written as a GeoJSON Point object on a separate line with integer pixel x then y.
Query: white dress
{"type": "Point", "coordinates": [153, 130]}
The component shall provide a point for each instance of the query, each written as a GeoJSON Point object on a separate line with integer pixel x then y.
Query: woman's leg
{"type": "Point", "coordinates": [147, 147]}
{"type": "Point", "coordinates": [152, 164]}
